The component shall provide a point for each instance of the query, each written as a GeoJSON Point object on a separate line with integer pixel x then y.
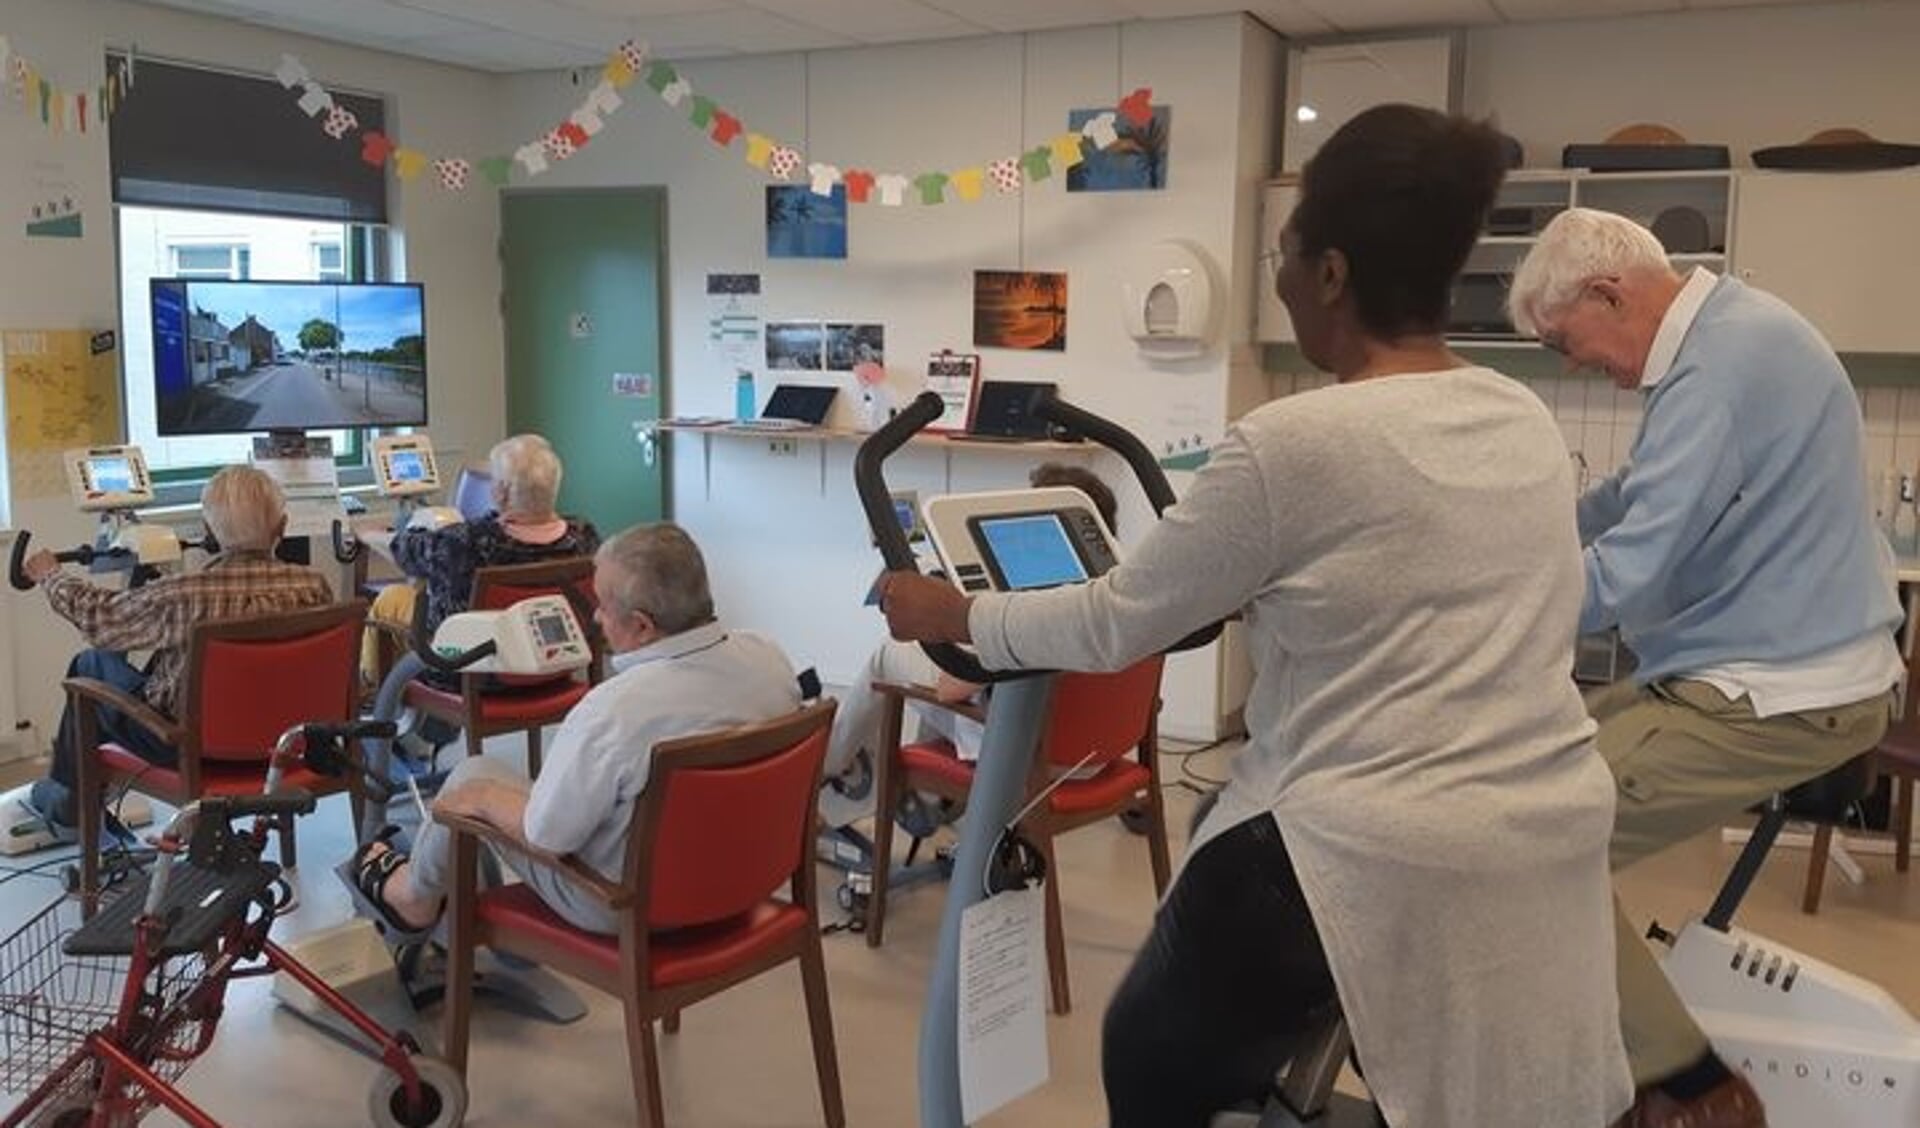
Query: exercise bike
{"type": "Point", "coordinates": [113, 482]}
{"type": "Point", "coordinates": [977, 559]}
{"type": "Point", "coordinates": [393, 976]}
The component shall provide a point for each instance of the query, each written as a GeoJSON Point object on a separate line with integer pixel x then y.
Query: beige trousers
{"type": "Point", "coordinates": [1685, 759]}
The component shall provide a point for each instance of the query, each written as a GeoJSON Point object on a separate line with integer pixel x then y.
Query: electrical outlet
{"type": "Point", "coordinates": [785, 448]}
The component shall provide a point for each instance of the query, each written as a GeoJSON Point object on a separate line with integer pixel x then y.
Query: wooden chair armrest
{"type": "Point", "coordinates": [567, 866]}
{"type": "Point", "coordinates": [133, 708]}
{"type": "Point", "coordinates": [925, 695]}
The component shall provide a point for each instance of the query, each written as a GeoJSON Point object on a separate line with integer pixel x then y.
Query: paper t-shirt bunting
{"type": "Point", "coordinates": [634, 54]}
{"type": "Point", "coordinates": [496, 170]}
{"type": "Point", "coordinates": [1005, 175]}
{"type": "Point", "coordinates": [759, 149]}
{"type": "Point", "coordinates": [933, 187]}
{"type": "Point", "coordinates": [1101, 131]}
{"type": "Point", "coordinates": [1137, 107]}
{"type": "Point", "coordinates": [859, 184]}
{"type": "Point", "coordinates": [966, 181]}
{"type": "Point", "coordinates": [784, 163]}
{"type": "Point", "coordinates": [1037, 163]}
{"type": "Point", "coordinates": [823, 177]}
{"type": "Point", "coordinates": [893, 189]}
{"type": "Point", "coordinates": [375, 147]}
{"type": "Point", "coordinates": [701, 115]}
{"type": "Point", "coordinates": [557, 144]}
{"type": "Point", "coordinates": [1066, 149]}
{"type": "Point", "coordinates": [340, 122]}
{"type": "Point", "coordinates": [725, 128]}
{"type": "Point", "coordinates": [453, 172]}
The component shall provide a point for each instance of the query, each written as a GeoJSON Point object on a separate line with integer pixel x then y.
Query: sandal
{"type": "Point", "coordinates": [366, 875]}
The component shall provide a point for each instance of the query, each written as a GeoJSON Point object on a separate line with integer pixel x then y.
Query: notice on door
{"type": "Point", "coordinates": [633, 385]}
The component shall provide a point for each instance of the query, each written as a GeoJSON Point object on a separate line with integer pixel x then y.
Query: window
{"type": "Point", "coordinates": [161, 243]}
{"type": "Point", "coordinates": [212, 260]}
{"type": "Point", "coordinates": [329, 262]}
{"type": "Point", "coordinates": [265, 196]}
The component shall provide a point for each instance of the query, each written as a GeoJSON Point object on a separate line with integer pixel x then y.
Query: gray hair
{"type": "Point", "coordinates": [527, 472]}
{"type": "Point", "coordinates": [658, 571]}
{"type": "Point", "coordinates": [243, 507]}
{"type": "Point", "coordinates": [1581, 244]}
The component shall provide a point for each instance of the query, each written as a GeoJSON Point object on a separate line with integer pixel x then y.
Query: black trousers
{"type": "Point", "coordinates": [1228, 986]}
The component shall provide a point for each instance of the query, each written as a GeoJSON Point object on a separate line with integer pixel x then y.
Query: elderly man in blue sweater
{"type": "Point", "coordinates": [1737, 554]}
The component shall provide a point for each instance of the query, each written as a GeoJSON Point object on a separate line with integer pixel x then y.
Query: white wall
{"type": "Point", "coordinates": [447, 240]}
{"type": "Point", "coordinates": [784, 537]}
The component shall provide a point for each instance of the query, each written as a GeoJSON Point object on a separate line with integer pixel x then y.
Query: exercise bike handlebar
{"type": "Point", "coordinates": [347, 549]}
{"type": "Point", "coordinates": [869, 479]}
{"type": "Point", "coordinates": [16, 564]}
{"type": "Point", "coordinates": [445, 663]}
{"type": "Point", "coordinates": [877, 501]}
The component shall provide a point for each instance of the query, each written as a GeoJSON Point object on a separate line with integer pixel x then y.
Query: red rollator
{"type": "Point", "coordinates": [103, 1007]}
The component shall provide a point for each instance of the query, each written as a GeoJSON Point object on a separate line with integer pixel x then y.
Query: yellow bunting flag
{"type": "Point", "coordinates": [409, 163]}
{"type": "Point", "coordinates": [759, 150]}
{"type": "Point", "coordinates": [967, 182]}
{"type": "Point", "coordinates": [618, 72]}
{"type": "Point", "coordinates": [1066, 149]}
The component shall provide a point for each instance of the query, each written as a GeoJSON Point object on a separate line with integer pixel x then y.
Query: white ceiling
{"type": "Point", "coordinates": [513, 35]}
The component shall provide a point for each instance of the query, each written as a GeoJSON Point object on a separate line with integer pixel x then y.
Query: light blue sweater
{"type": "Point", "coordinates": [1740, 528]}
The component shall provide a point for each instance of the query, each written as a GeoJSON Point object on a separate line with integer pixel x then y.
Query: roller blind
{"type": "Point", "coordinates": [189, 137]}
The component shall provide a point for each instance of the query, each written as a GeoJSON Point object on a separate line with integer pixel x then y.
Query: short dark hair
{"type": "Point", "coordinates": [1083, 479]}
{"type": "Point", "coordinates": [1402, 192]}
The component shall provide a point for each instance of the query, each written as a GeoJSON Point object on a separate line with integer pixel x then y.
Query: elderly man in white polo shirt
{"type": "Point", "coordinates": [677, 671]}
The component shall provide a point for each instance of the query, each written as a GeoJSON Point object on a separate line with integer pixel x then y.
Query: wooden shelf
{"type": "Point", "coordinates": [841, 434]}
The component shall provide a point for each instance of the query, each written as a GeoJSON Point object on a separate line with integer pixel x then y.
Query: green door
{"type": "Point", "coordinates": [582, 271]}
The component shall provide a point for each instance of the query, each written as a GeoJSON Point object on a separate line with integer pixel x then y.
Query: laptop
{"type": "Point", "coordinates": [1005, 409]}
{"type": "Point", "coordinates": [794, 407]}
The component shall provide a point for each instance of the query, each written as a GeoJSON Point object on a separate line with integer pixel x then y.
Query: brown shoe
{"type": "Point", "coordinates": [1730, 1104]}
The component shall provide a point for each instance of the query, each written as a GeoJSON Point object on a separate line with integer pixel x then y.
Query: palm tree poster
{"type": "Point", "coordinates": [801, 223]}
{"type": "Point", "coordinates": [1136, 162]}
{"type": "Point", "coordinates": [1019, 309]}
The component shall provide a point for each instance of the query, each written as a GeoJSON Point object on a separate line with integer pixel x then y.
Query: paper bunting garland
{"type": "Point", "coordinates": [455, 173]}
{"type": "Point", "coordinates": [631, 62]}
{"type": "Point", "coordinates": [61, 108]}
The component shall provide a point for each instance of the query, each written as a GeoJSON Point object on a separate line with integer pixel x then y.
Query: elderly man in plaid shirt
{"type": "Point", "coordinates": [245, 512]}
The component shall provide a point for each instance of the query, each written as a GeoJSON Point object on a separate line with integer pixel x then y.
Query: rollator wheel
{"type": "Point", "coordinates": [443, 1097]}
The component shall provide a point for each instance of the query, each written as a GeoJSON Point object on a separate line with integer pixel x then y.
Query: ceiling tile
{"type": "Point", "coordinates": [1522, 10]}
{"type": "Point", "coordinates": [503, 51]}
{"type": "Point", "coordinates": [1038, 15]}
{"type": "Point", "coordinates": [746, 30]}
{"type": "Point", "coordinates": [348, 20]}
{"type": "Point", "coordinates": [1381, 15]}
{"type": "Point", "coordinates": [875, 21]}
{"type": "Point", "coordinates": [1288, 17]}
{"type": "Point", "coordinates": [538, 19]}
{"type": "Point", "coordinates": [641, 9]}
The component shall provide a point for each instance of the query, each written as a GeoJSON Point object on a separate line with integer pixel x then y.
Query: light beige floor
{"type": "Point", "coordinates": [742, 1059]}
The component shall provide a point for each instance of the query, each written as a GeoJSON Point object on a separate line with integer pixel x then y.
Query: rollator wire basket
{"type": "Point", "coordinates": [54, 1000]}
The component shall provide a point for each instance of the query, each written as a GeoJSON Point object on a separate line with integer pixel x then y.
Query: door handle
{"type": "Point", "coordinates": [645, 434]}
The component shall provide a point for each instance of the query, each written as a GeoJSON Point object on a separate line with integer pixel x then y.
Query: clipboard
{"type": "Point", "coordinates": [955, 378]}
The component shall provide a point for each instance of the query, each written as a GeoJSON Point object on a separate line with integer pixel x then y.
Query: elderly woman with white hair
{"type": "Point", "coordinates": [246, 513]}
{"type": "Point", "coordinates": [524, 528]}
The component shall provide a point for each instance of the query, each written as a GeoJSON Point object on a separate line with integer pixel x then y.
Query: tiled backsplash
{"type": "Point", "coordinates": [1599, 421]}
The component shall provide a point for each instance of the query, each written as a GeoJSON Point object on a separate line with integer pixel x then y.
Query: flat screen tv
{"type": "Point", "coordinates": [231, 357]}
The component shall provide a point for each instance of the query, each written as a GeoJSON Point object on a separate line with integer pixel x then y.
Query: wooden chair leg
{"type": "Point", "coordinates": [1817, 868]}
{"type": "Point", "coordinates": [1056, 937]}
{"type": "Point", "coordinates": [643, 1060]}
{"type": "Point", "coordinates": [533, 752]}
{"type": "Point", "coordinates": [887, 789]}
{"type": "Point", "coordinates": [1903, 823]}
{"type": "Point", "coordinates": [476, 742]}
{"type": "Point", "coordinates": [460, 953]}
{"type": "Point", "coordinates": [87, 797]}
{"type": "Point", "coordinates": [1157, 851]}
{"type": "Point", "coordinates": [288, 858]}
{"type": "Point", "coordinates": [813, 977]}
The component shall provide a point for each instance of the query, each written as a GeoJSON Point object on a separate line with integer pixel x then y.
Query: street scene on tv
{"type": "Point", "coordinates": [258, 356]}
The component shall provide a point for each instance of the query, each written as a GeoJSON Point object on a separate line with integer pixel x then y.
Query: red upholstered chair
{"type": "Point", "coordinates": [246, 681]}
{"type": "Point", "coordinates": [726, 820]}
{"type": "Point", "coordinates": [1898, 757]}
{"type": "Point", "coordinates": [1111, 716]}
{"type": "Point", "coordinates": [484, 706]}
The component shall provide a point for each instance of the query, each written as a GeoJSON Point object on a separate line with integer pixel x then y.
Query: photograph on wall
{"type": "Point", "coordinates": [851, 344]}
{"type": "Point", "coordinates": [1137, 162]}
{"type": "Point", "coordinates": [801, 223]}
{"type": "Point", "coordinates": [1020, 309]}
{"type": "Point", "coordinates": [795, 346]}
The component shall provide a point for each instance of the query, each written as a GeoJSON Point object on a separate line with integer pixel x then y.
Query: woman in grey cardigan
{"type": "Point", "coordinates": [1418, 826]}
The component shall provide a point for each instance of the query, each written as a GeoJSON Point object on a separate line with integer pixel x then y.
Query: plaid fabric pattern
{"type": "Point", "coordinates": [158, 616]}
